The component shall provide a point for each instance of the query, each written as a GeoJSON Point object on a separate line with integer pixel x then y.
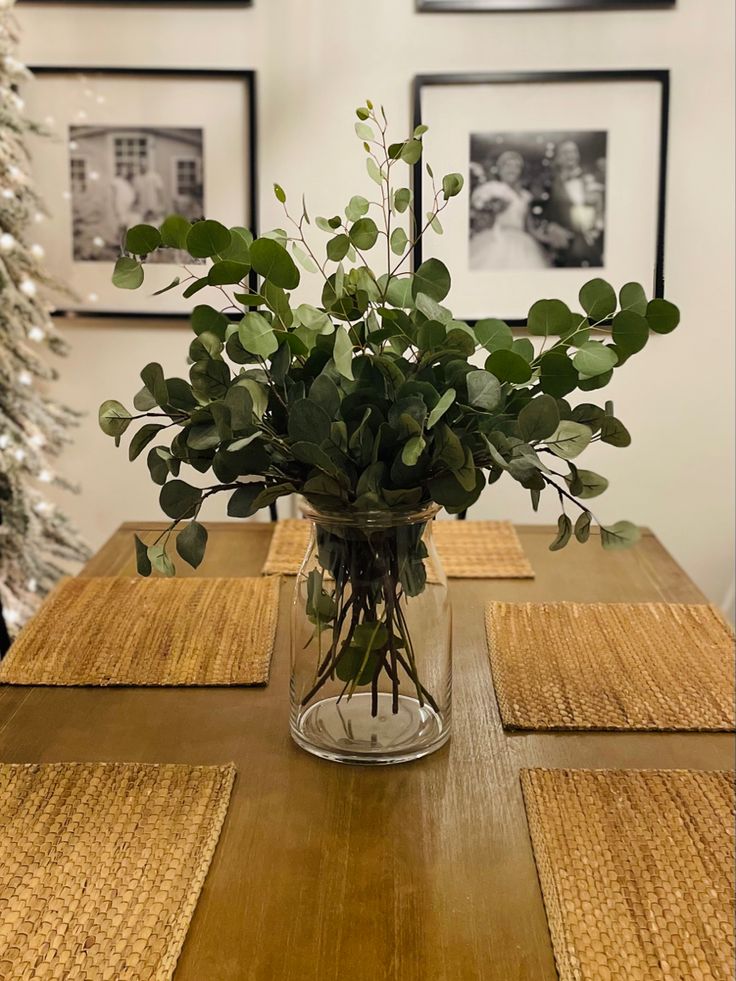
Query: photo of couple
{"type": "Point", "coordinates": [122, 177]}
{"type": "Point", "coordinates": [537, 200]}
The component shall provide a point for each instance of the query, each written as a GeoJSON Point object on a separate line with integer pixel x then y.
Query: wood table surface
{"type": "Point", "coordinates": [420, 872]}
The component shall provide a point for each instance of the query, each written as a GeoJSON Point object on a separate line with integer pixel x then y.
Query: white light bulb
{"type": "Point", "coordinates": [73, 145]}
{"type": "Point", "coordinates": [12, 617]}
{"type": "Point", "coordinates": [19, 455]}
{"type": "Point", "coordinates": [32, 585]}
{"type": "Point", "coordinates": [92, 297]}
{"type": "Point", "coordinates": [28, 287]}
{"type": "Point", "coordinates": [94, 175]}
{"type": "Point", "coordinates": [43, 507]}
{"type": "Point", "coordinates": [7, 242]}
{"type": "Point", "coordinates": [38, 251]}
{"type": "Point", "coordinates": [45, 476]}
{"type": "Point", "coordinates": [39, 217]}
{"type": "Point", "coordinates": [98, 241]}
{"type": "Point", "coordinates": [25, 378]}
{"type": "Point", "coordinates": [4, 441]}
{"type": "Point", "coordinates": [7, 194]}
{"type": "Point", "coordinates": [36, 334]}
{"type": "Point", "coordinates": [37, 440]}
{"type": "Point", "coordinates": [67, 195]}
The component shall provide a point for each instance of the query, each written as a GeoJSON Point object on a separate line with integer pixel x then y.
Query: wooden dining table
{"type": "Point", "coordinates": [419, 872]}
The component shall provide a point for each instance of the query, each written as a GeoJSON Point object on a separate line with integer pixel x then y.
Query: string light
{"type": "Point", "coordinates": [4, 441]}
{"type": "Point", "coordinates": [7, 242]}
{"type": "Point", "coordinates": [36, 333]}
{"type": "Point", "coordinates": [38, 251]}
{"type": "Point", "coordinates": [25, 377]}
{"type": "Point", "coordinates": [32, 585]}
{"type": "Point", "coordinates": [43, 507]}
{"type": "Point", "coordinates": [11, 616]}
{"type": "Point", "coordinates": [45, 476]}
{"type": "Point", "coordinates": [37, 440]}
{"type": "Point", "coordinates": [19, 455]}
{"type": "Point", "coordinates": [28, 287]}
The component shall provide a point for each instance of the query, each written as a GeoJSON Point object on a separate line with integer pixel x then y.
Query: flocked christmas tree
{"type": "Point", "coordinates": [37, 542]}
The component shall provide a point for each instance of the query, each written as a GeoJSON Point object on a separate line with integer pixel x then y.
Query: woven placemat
{"type": "Point", "coordinates": [101, 865]}
{"type": "Point", "coordinates": [612, 666]}
{"type": "Point", "coordinates": [637, 872]}
{"type": "Point", "coordinates": [115, 631]}
{"type": "Point", "coordinates": [468, 549]}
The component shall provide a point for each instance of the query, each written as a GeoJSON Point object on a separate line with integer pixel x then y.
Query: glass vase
{"type": "Point", "coordinates": [371, 655]}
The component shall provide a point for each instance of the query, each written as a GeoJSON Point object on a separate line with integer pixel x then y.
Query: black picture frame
{"type": "Point", "coordinates": [659, 76]}
{"type": "Point", "coordinates": [529, 6]}
{"type": "Point", "coordinates": [249, 79]}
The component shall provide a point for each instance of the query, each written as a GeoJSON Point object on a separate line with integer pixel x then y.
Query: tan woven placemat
{"type": "Point", "coordinates": [101, 866]}
{"type": "Point", "coordinates": [468, 549]}
{"type": "Point", "coordinates": [637, 873]}
{"type": "Point", "coordinates": [612, 666]}
{"type": "Point", "coordinates": [115, 631]}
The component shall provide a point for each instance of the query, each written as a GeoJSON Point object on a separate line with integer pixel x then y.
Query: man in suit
{"type": "Point", "coordinates": [574, 212]}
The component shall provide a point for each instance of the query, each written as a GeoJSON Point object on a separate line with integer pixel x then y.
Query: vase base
{"type": "Point", "coordinates": [348, 732]}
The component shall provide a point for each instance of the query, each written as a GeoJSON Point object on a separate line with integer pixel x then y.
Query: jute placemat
{"type": "Point", "coordinates": [468, 549]}
{"type": "Point", "coordinates": [637, 873]}
{"type": "Point", "coordinates": [612, 666]}
{"type": "Point", "coordinates": [115, 631]}
{"type": "Point", "coordinates": [101, 866]}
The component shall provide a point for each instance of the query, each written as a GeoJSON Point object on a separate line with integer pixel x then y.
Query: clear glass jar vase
{"type": "Point", "coordinates": [371, 639]}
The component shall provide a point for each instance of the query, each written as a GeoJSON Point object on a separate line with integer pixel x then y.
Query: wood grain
{"type": "Point", "coordinates": [422, 872]}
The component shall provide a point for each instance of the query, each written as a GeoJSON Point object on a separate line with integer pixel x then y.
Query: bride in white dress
{"type": "Point", "coordinates": [508, 243]}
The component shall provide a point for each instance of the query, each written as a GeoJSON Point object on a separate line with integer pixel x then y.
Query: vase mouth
{"type": "Point", "coordinates": [373, 517]}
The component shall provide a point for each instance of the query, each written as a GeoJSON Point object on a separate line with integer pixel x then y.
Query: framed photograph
{"type": "Point", "coordinates": [518, 6]}
{"type": "Point", "coordinates": [564, 181]}
{"type": "Point", "coordinates": [133, 146]}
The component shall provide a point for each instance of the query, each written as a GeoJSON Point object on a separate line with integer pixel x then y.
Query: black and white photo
{"type": "Point", "coordinates": [537, 200]}
{"type": "Point", "coordinates": [120, 177]}
{"type": "Point", "coordinates": [565, 177]}
{"type": "Point", "coordinates": [132, 146]}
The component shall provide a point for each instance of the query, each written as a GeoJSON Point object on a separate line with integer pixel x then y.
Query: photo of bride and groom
{"type": "Point", "coordinates": [537, 200]}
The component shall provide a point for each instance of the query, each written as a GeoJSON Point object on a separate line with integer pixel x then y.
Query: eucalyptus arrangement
{"type": "Point", "coordinates": [375, 405]}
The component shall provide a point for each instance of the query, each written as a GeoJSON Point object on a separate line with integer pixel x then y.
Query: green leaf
{"type": "Point", "coordinates": [364, 233]}
{"type": "Point", "coordinates": [256, 335]}
{"type": "Point", "coordinates": [412, 450]}
{"type": "Point", "coordinates": [127, 274]}
{"type": "Point", "coordinates": [632, 297]}
{"type": "Point", "coordinates": [569, 439]}
{"type": "Point", "coordinates": [434, 223]}
{"type": "Point", "coordinates": [548, 317]}
{"type": "Point", "coordinates": [242, 503]}
{"type": "Point", "coordinates": [582, 526]}
{"type": "Point", "coordinates": [594, 358]}
{"type": "Point", "coordinates": [508, 366]}
{"type": "Point", "coordinates": [357, 207]}
{"type": "Point", "coordinates": [622, 534]}
{"type": "Point", "coordinates": [374, 171]}
{"type": "Point", "coordinates": [195, 287]}
{"type": "Point", "coordinates": [558, 376]}
{"type": "Point", "coordinates": [614, 432]}
{"type": "Point", "coordinates": [114, 418]}
{"type": "Point", "coordinates": [564, 533]}
{"type": "Point", "coordinates": [630, 331]}
{"type": "Point", "coordinates": [141, 440]}
{"type": "Point", "coordinates": [142, 562]}
{"type": "Point", "coordinates": [539, 419]}
{"type": "Point", "coordinates": [271, 260]}
{"type": "Point", "coordinates": [662, 316]}
{"type": "Point", "coordinates": [207, 238]}
{"type": "Point", "coordinates": [174, 232]}
{"type": "Point", "coordinates": [142, 239]}
{"type": "Point", "coordinates": [343, 353]}
{"type": "Point", "coordinates": [308, 422]}
{"type": "Point", "coordinates": [598, 299]}
{"type": "Point", "coordinates": [452, 184]}
{"type": "Point", "coordinates": [239, 248]}
{"type": "Point", "coordinates": [160, 560]}
{"type": "Point", "coordinates": [590, 484]}
{"type": "Point", "coordinates": [179, 499]}
{"type": "Point", "coordinates": [304, 260]}
{"type": "Point", "coordinates": [399, 241]}
{"type": "Point", "coordinates": [279, 193]}
{"type": "Point", "coordinates": [227, 273]}
{"type": "Point", "coordinates": [430, 335]}
{"type": "Point", "coordinates": [205, 319]}
{"type": "Point", "coordinates": [362, 113]}
{"type": "Point", "coordinates": [433, 279]}
{"type": "Point", "coordinates": [402, 199]}
{"type": "Point", "coordinates": [411, 151]}
{"type": "Point", "coordinates": [484, 390]}
{"type": "Point", "coordinates": [191, 543]}
{"type": "Point", "coordinates": [337, 248]}
{"type": "Point", "coordinates": [165, 289]}
{"type": "Point", "coordinates": [326, 394]}
{"type": "Point", "coordinates": [524, 347]}
{"type": "Point", "coordinates": [364, 132]}
{"type": "Point", "coordinates": [494, 335]}
{"type": "Point", "coordinates": [314, 319]}
{"type": "Point", "coordinates": [446, 400]}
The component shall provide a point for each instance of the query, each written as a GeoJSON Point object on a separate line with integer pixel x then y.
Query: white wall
{"type": "Point", "coordinates": [317, 60]}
